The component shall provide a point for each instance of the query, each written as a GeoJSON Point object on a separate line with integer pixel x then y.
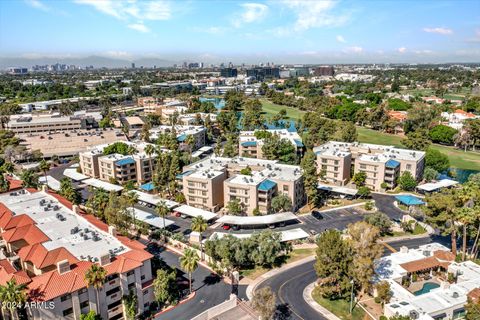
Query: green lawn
{"type": "Point", "coordinates": [340, 308]}
{"type": "Point", "coordinates": [271, 108]}
{"type": "Point", "coordinates": [458, 159]}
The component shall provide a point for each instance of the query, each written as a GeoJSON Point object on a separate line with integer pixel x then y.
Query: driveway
{"type": "Point", "coordinates": [384, 203]}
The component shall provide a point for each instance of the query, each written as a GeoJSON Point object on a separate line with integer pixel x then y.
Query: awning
{"type": "Point", "coordinates": [258, 220]}
{"type": "Point", "coordinates": [147, 186]}
{"type": "Point", "coordinates": [52, 183]}
{"type": "Point", "coordinates": [266, 185]}
{"type": "Point", "coordinates": [154, 199]}
{"type": "Point", "coordinates": [287, 235]}
{"type": "Point", "coordinates": [96, 183]}
{"type": "Point", "coordinates": [74, 175]}
{"type": "Point", "coordinates": [337, 189]}
{"type": "Point", "coordinates": [433, 186]}
{"type": "Point", "coordinates": [409, 200]}
{"type": "Point", "coordinates": [151, 219]}
{"type": "Point", "coordinates": [195, 212]}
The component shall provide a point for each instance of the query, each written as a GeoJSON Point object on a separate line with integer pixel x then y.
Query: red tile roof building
{"type": "Point", "coordinates": [41, 249]}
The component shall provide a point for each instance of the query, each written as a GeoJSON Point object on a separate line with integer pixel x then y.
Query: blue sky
{"type": "Point", "coordinates": [256, 31]}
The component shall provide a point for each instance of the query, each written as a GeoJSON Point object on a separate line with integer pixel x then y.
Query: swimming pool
{"type": "Point", "coordinates": [427, 287]}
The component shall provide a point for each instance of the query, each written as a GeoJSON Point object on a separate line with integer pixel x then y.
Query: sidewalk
{"type": "Point", "coordinates": [252, 286]}
{"type": "Point", "coordinates": [307, 296]}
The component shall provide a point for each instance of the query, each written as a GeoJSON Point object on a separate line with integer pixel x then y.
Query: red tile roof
{"type": "Point", "coordinates": [30, 233]}
{"type": "Point", "coordinates": [14, 184]}
{"type": "Point", "coordinates": [424, 264]}
{"type": "Point", "coordinates": [19, 221]}
{"type": "Point", "coordinates": [8, 272]}
{"type": "Point", "coordinates": [41, 257]}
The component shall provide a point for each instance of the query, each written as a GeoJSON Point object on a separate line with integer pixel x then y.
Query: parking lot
{"type": "Point", "coordinates": [335, 219]}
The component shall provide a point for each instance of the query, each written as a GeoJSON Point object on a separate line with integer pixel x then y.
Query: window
{"type": "Point", "coordinates": [112, 291]}
{"type": "Point", "coordinates": [145, 292]}
{"type": "Point", "coordinates": [83, 290]}
{"type": "Point", "coordinates": [131, 272]}
{"type": "Point", "coordinates": [324, 167]}
{"type": "Point", "coordinates": [409, 167]}
{"type": "Point", "coordinates": [83, 304]}
{"type": "Point", "coordinates": [285, 188]}
{"type": "Point", "coordinates": [67, 312]}
{"type": "Point", "coordinates": [363, 166]}
{"type": "Point", "coordinates": [65, 297]}
{"type": "Point", "coordinates": [324, 160]}
{"type": "Point", "coordinates": [336, 162]}
{"type": "Point", "coordinates": [142, 277]}
{"type": "Point", "coordinates": [191, 199]}
{"type": "Point", "coordinates": [335, 175]}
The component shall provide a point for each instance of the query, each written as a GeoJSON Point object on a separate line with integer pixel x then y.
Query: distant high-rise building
{"type": "Point", "coordinates": [133, 65]}
{"type": "Point", "coordinates": [261, 73]}
{"type": "Point", "coordinates": [228, 72]}
{"type": "Point", "coordinates": [20, 70]}
{"type": "Point", "coordinates": [324, 71]}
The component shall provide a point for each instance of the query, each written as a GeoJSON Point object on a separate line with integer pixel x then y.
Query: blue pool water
{"type": "Point", "coordinates": [427, 287]}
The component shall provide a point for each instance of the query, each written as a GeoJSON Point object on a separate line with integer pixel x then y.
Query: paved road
{"type": "Point", "coordinates": [289, 285]}
{"type": "Point", "coordinates": [210, 291]}
{"type": "Point", "coordinates": [384, 203]}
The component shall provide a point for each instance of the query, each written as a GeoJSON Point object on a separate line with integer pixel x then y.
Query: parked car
{"type": "Point", "coordinates": [313, 232]}
{"type": "Point", "coordinates": [184, 216]}
{"type": "Point", "coordinates": [178, 214]}
{"type": "Point", "coordinates": [226, 227]}
{"type": "Point", "coordinates": [317, 214]}
{"type": "Point", "coordinates": [271, 226]}
{"type": "Point", "coordinates": [235, 227]}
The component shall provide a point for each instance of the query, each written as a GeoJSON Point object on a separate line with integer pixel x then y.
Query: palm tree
{"type": "Point", "coordinates": [132, 198]}
{"type": "Point", "coordinates": [189, 263]}
{"type": "Point", "coordinates": [199, 225]}
{"type": "Point", "coordinates": [13, 295]}
{"type": "Point", "coordinates": [44, 166]}
{"type": "Point", "coordinates": [149, 151]}
{"type": "Point", "coordinates": [29, 179]}
{"type": "Point", "coordinates": [4, 183]}
{"type": "Point", "coordinates": [162, 210]}
{"type": "Point", "coordinates": [190, 141]}
{"type": "Point", "coordinates": [95, 277]}
{"type": "Point", "coordinates": [466, 216]}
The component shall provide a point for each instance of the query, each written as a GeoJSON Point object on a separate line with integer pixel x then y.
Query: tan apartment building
{"type": "Point", "coordinates": [49, 244]}
{"type": "Point", "coordinates": [250, 146]}
{"type": "Point", "coordinates": [268, 179]}
{"type": "Point", "coordinates": [182, 132]}
{"type": "Point", "coordinates": [204, 189]}
{"type": "Point", "coordinates": [120, 168]}
{"type": "Point", "coordinates": [339, 161]}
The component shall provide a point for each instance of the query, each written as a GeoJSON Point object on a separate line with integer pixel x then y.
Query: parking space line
{"type": "Point", "coordinates": [389, 247]}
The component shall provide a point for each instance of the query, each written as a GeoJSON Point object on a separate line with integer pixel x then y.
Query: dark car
{"type": "Point", "coordinates": [317, 214]}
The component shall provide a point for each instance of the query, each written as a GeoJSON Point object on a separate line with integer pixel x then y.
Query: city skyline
{"type": "Point", "coordinates": [250, 32]}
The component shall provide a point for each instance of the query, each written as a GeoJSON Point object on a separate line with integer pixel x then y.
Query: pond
{"type": "Point", "coordinates": [219, 103]}
{"type": "Point", "coordinates": [427, 287]}
{"type": "Point", "coordinates": [460, 175]}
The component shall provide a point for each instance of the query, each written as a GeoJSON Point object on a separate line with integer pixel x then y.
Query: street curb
{"type": "Point", "coordinates": [190, 297]}
{"type": "Point", "coordinates": [252, 286]}
{"type": "Point", "coordinates": [307, 296]}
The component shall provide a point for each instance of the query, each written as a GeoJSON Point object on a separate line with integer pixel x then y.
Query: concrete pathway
{"type": "Point", "coordinates": [307, 296]}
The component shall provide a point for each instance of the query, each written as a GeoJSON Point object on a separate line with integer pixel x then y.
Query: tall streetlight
{"type": "Point", "coordinates": [352, 282]}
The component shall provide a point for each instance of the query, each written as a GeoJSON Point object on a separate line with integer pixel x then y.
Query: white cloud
{"type": "Point", "coordinates": [37, 4]}
{"type": "Point", "coordinates": [423, 51]}
{"type": "Point", "coordinates": [139, 27]}
{"type": "Point", "coordinates": [354, 49]}
{"type": "Point", "coordinates": [314, 14]}
{"type": "Point", "coordinates": [252, 12]}
{"type": "Point", "coordinates": [341, 39]}
{"type": "Point", "coordinates": [439, 30]}
{"type": "Point", "coordinates": [124, 10]}
{"type": "Point", "coordinates": [402, 50]}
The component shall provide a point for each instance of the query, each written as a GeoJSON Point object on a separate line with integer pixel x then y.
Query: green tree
{"type": "Point", "coordinates": [430, 174]}
{"type": "Point", "coordinates": [264, 302]}
{"type": "Point", "coordinates": [275, 148]}
{"type": "Point", "coordinates": [4, 184]}
{"type": "Point", "coordinates": [416, 140]}
{"type": "Point", "coordinates": [407, 182]}
{"type": "Point", "coordinates": [473, 310]}
{"type": "Point", "coordinates": [310, 177]}
{"type": "Point", "coordinates": [436, 160]}
{"type": "Point", "coordinates": [246, 171]}
{"type": "Point", "coordinates": [130, 303]}
{"type": "Point", "coordinates": [165, 287]}
{"type": "Point", "coordinates": [95, 277]}
{"type": "Point", "coordinates": [91, 315]}
{"type": "Point", "coordinates": [363, 240]}
{"type": "Point", "coordinates": [162, 210]}
{"type": "Point", "coordinates": [199, 225]}
{"type": "Point", "coordinates": [252, 115]}
{"type": "Point", "coordinates": [235, 207]}
{"type": "Point", "coordinates": [189, 263]}
{"type": "Point", "coordinates": [359, 178]}
{"type": "Point", "coordinates": [442, 134]}
{"type": "Point", "coordinates": [230, 148]}
{"type": "Point", "coordinates": [333, 265]}
{"type": "Point", "coordinates": [44, 166]}
{"type": "Point", "coordinates": [12, 295]}
{"type": "Point", "coordinates": [281, 203]}
{"type": "Point", "coordinates": [379, 220]}
{"type": "Point", "coordinates": [363, 192]}
{"type": "Point", "coordinates": [347, 132]}
{"type": "Point", "coordinates": [69, 192]}
{"type": "Point", "coordinates": [383, 292]}
{"type": "Point", "coordinates": [29, 179]}
{"type": "Point", "coordinates": [98, 201]}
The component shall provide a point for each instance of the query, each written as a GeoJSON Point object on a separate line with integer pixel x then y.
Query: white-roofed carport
{"type": "Point", "coordinates": [74, 175]}
{"type": "Point", "coordinates": [195, 212]}
{"type": "Point", "coordinates": [337, 189]}
{"type": "Point", "coordinates": [52, 183]}
{"type": "Point", "coordinates": [151, 219]}
{"type": "Point", "coordinates": [258, 220]}
{"type": "Point", "coordinates": [102, 184]}
{"type": "Point", "coordinates": [286, 235]}
{"type": "Point", "coordinates": [154, 199]}
{"type": "Point", "coordinates": [435, 186]}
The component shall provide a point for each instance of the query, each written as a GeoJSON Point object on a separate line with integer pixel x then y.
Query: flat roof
{"type": "Point", "coordinates": [286, 235]}
{"type": "Point", "coordinates": [151, 219]}
{"type": "Point", "coordinates": [195, 212]}
{"type": "Point", "coordinates": [337, 189]}
{"type": "Point", "coordinates": [59, 231]}
{"type": "Point", "coordinates": [154, 199]}
{"type": "Point", "coordinates": [96, 183]}
{"type": "Point", "coordinates": [257, 220]}
{"type": "Point", "coordinates": [432, 186]}
{"type": "Point", "coordinates": [52, 183]}
{"type": "Point", "coordinates": [73, 174]}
